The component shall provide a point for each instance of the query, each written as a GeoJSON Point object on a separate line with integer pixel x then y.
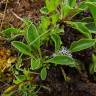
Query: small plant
{"type": "Point", "coordinates": [50, 29]}
{"type": "Point", "coordinates": [93, 65]}
{"type": "Point", "coordinates": [25, 89]}
{"type": "Point", "coordinates": [33, 50]}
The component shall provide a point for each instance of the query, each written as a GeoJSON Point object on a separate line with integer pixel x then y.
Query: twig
{"type": "Point", "coordinates": [17, 16]}
{"type": "Point", "coordinates": [45, 87]}
{"type": "Point", "coordinates": [63, 73]}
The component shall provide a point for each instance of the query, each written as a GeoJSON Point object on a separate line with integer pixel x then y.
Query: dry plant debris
{"type": "Point", "coordinates": [5, 58]}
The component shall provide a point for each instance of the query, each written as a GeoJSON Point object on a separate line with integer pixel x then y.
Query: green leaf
{"type": "Point", "coordinates": [43, 73]}
{"type": "Point", "coordinates": [72, 3]}
{"type": "Point", "coordinates": [92, 8]}
{"type": "Point", "coordinates": [44, 10]}
{"type": "Point", "coordinates": [54, 18]}
{"type": "Point", "coordinates": [9, 31]}
{"type": "Point", "coordinates": [32, 34]}
{"type": "Point", "coordinates": [22, 47]}
{"type": "Point", "coordinates": [62, 60]}
{"type": "Point", "coordinates": [26, 73]}
{"type": "Point", "coordinates": [91, 27]}
{"type": "Point", "coordinates": [35, 63]}
{"type": "Point", "coordinates": [93, 65]}
{"type": "Point", "coordinates": [94, 58]}
{"type": "Point", "coordinates": [27, 22]}
{"type": "Point", "coordinates": [81, 28]}
{"type": "Point", "coordinates": [51, 4]}
{"type": "Point", "coordinates": [82, 44]}
{"type": "Point", "coordinates": [65, 2]}
{"type": "Point", "coordinates": [19, 79]}
{"type": "Point", "coordinates": [45, 22]}
{"type": "Point", "coordinates": [57, 30]}
{"type": "Point", "coordinates": [57, 40]}
{"type": "Point", "coordinates": [83, 5]}
{"type": "Point", "coordinates": [92, 0]}
{"type": "Point", "coordinates": [65, 10]}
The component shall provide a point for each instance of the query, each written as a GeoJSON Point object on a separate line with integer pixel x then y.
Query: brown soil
{"type": "Point", "coordinates": [79, 83]}
{"type": "Point", "coordinates": [74, 87]}
{"type": "Point", "coordinates": [22, 8]}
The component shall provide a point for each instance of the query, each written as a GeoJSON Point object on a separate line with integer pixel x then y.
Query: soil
{"type": "Point", "coordinates": [79, 83]}
{"type": "Point", "coordinates": [22, 8]}
{"type": "Point", "coordinates": [74, 87]}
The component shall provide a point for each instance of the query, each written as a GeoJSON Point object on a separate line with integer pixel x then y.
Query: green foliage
{"type": "Point", "coordinates": [9, 32]}
{"type": "Point", "coordinates": [65, 10]}
{"type": "Point", "coordinates": [35, 63]}
{"type": "Point", "coordinates": [56, 14]}
{"type": "Point", "coordinates": [27, 89]}
{"type": "Point", "coordinates": [80, 26]}
{"type": "Point", "coordinates": [53, 12]}
{"type": "Point", "coordinates": [54, 18]}
{"type": "Point", "coordinates": [51, 4]}
{"type": "Point", "coordinates": [92, 67]}
{"type": "Point", "coordinates": [62, 60]}
{"type": "Point", "coordinates": [91, 27]}
{"type": "Point", "coordinates": [57, 40]}
{"type": "Point", "coordinates": [92, 8]}
{"type": "Point", "coordinates": [19, 79]}
{"type": "Point", "coordinates": [32, 34]}
{"type": "Point", "coordinates": [22, 47]}
{"type": "Point", "coordinates": [72, 3]}
{"type": "Point", "coordinates": [43, 73]}
{"type": "Point", "coordinates": [82, 44]}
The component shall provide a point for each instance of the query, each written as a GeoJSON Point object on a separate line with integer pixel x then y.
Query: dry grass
{"type": "Point", "coordinates": [5, 59]}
